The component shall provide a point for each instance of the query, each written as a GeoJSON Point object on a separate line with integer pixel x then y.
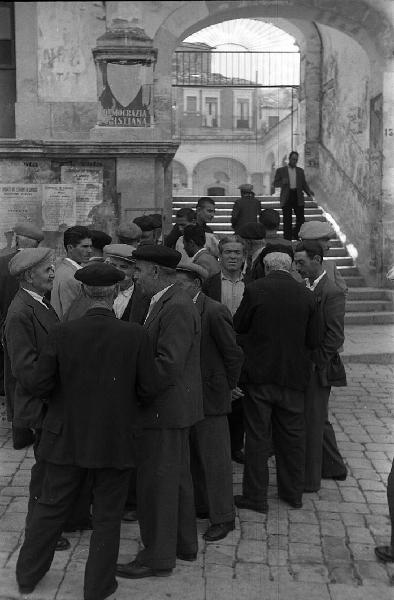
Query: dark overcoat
{"type": "Point", "coordinates": [330, 301]}
{"type": "Point", "coordinates": [97, 372]}
{"type": "Point", "coordinates": [277, 325]}
{"type": "Point", "coordinates": [245, 210]}
{"type": "Point", "coordinates": [175, 331]}
{"type": "Point", "coordinates": [221, 357]}
{"type": "Point", "coordinates": [26, 329]}
{"type": "Point", "coordinates": [282, 180]}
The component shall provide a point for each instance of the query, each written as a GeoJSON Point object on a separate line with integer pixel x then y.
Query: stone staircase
{"type": "Point", "coordinates": [364, 305]}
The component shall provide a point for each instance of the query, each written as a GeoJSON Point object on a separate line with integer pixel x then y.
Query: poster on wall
{"type": "Point", "coordinates": [88, 183]}
{"type": "Point", "coordinates": [58, 207]}
{"type": "Point", "coordinates": [18, 203]}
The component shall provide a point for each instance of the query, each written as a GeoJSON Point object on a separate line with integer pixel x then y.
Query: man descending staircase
{"type": "Point", "coordinates": [364, 305]}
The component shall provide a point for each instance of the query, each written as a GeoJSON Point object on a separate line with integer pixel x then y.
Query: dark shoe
{"type": "Point", "coordinates": [238, 456]}
{"type": "Point", "coordinates": [310, 490]}
{"type": "Point", "coordinates": [189, 557]}
{"type": "Point", "coordinates": [293, 503]}
{"type": "Point", "coordinates": [134, 570]}
{"type": "Point", "coordinates": [62, 544]}
{"type": "Point", "coordinates": [72, 527]}
{"type": "Point", "coordinates": [202, 515]}
{"type": "Point", "coordinates": [26, 589]}
{"type": "Point", "coordinates": [129, 516]}
{"type": "Point", "coordinates": [242, 502]}
{"type": "Point", "coordinates": [385, 553]}
{"type": "Point", "coordinates": [22, 437]}
{"type": "Point", "coordinates": [218, 531]}
{"type": "Point", "coordinates": [111, 591]}
{"type": "Point", "coordinates": [337, 477]}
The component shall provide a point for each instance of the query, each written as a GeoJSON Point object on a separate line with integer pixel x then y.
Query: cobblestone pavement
{"type": "Point", "coordinates": [325, 551]}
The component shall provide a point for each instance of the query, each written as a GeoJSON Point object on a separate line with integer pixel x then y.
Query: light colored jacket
{"type": "Point", "coordinates": [65, 287]}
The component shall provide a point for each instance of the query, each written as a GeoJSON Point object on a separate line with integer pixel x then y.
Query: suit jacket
{"type": "Point", "coordinates": [330, 301]}
{"type": "Point", "coordinates": [96, 372]}
{"type": "Point", "coordinates": [277, 324]}
{"type": "Point", "coordinates": [212, 287]}
{"type": "Point", "coordinates": [209, 262]}
{"type": "Point", "coordinates": [8, 286]}
{"type": "Point", "coordinates": [26, 329]}
{"type": "Point", "coordinates": [220, 356]}
{"type": "Point", "coordinates": [65, 287]}
{"type": "Point", "coordinates": [245, 210]}
{"type": "Point", "coordinates": [175, 330]}
{"type": "Point", "coordinates": [137, 307]}
{"type": "Point", "coordinates": [282, 180]}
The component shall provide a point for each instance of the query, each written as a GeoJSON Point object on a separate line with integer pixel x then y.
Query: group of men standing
{"type": "Point", "coordinates": [146, 368]}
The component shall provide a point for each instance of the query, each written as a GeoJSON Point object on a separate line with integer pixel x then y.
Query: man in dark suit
{"type": "Point", "coordinates": [29, 320]}
{"type": "Point", "coordinates": [27, 235]}
{"type": "Point", "coordinates": [165, 502]}
{"type": "Point", "coordinates": [386, 553]}
{"type": "Point", "coordinates": [323, 459]}
{"type": "Point", "coordinates": [88, 385]}
{"type": "Point", "coordinates": [227, 287]}
{"type": "Point", "coordinates": [246, 209]}
{"type": "Point", "coordinates": [276, 324]}
{"type": "Point", "coordinates": [292, 183]}
{"type": "Point", "coordinates": [221, 361]}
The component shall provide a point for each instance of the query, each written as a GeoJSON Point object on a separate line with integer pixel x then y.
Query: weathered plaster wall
{"type": "Point", "coordinates": [67, 32]}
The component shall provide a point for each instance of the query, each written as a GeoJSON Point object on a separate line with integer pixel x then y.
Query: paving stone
{"type": "Point", "coordinates": [331, 528]}
{"type": "Point", "coordinates": [368, 570]}
{"type": "Point", "coordinates": [350, 494]}
{"type": "Point", "coordinates": [303, 532]}
{"type": "Point", "coordinates": [355, 520]}
{"type": "Point", "coordinates": [300, 553]}
{"type": "Point", "coordinates": [342, 572]}
{"type": "Point", "coordinates": [220, 555]}
{"type": "Point", "coordinates": [359, 534]}
{"type": "Point", "coordinates": [310, 573]}
{"type": "Point", "coordinates": [374, 497]}
{"type": "Point", "coordinates": [253, 531]}
{"type": "Point", "coordinates": [368, 484]}
{"type": "Point", "coordinates": [366, 592]}
{"type": "Point", "coordinates": [252, 551]}
{"type": "Point", "coordinates": [335, 549]}
{"type": "Point", "coordinates": [303, 516]}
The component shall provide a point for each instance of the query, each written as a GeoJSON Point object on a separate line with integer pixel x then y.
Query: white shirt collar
{"type": "Point", "coordinates": [128, 292]}
{"type": "Point", "coordinates": [312, 286]}
{"type": "Point", "coordinates": [155, 299]}
{"type": "Point", "coordinates": [224, 276]}
{"type": "Point", "coordinates": [195, 297]}
{"type": "Point", "coordinates": [36, 297]}
{"type": "Point", "coordinates": [74, 264]}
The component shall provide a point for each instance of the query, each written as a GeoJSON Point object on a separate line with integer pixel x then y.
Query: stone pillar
{"type": "Point", "coordinates": [388, 169]}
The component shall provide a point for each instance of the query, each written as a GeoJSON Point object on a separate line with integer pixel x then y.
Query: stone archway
{"type": "Point", "coordinates": [205, 172]}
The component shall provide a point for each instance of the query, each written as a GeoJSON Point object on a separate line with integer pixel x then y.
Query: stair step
{"type": "Point", "coordinates": [360, 306]}
{"type": "Point", "coordinates": [369, 318]}
{"type": "Point", "coordinates": [354, 281]}
{"type": "Point", "coordinates": [348, 270]}
{"type": "Point", "coordinates": [369, 294]}
{"type": "Point", "coordinates": [340, 261]}
{"type": "Point", "coordinates": [335, 252]}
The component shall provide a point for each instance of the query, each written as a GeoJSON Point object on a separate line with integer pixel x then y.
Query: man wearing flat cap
{"type": "Point", "coordinates": [147, 226]}
{"type": "Point", "coordinates": [157, 220]}
{"type": "Point", "coordinates": [165, 503]}
{"type": "Point", "coordinates": [27, 235]}
{"type": "Point", "coordinates": [322, 232]}
{"type": "Point", "coordinates": [130, 304]}
{"type": "Point", "coordinates": [88, 386]}
{"type": "Point", "coordinates": [99, 240]}
{"type": "Point", "coordinates": [29, 320]}
{"type": "Point", "coordinates": [246, 209]}
{"type": "Point", "coordinates": [210, 451]}
{"type": "Point", "coordinates": [129, 233]}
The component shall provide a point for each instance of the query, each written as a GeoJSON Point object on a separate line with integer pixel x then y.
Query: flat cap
{"type": "Point", "coordinates": [190, 267]}
{"type": "Point", "coordinates": [270, 248]}
{"type": "Point", "coordinates": [314, 230]}
{"type": "Point", "coordinates": [252, 231]}
{"type": "Point", "coordinates": [161, 255]}
{"type": "Point", "coordinates": [130, 231]}
{"type": "Point", "coordinates": [26, 258]}
{"type": "Point", "coordinates": [245, 187]}
{"type": "Point", "coordinates": [99, 274]}
{"type": "Point", "coordinates": [145, 223]}
{"type": "Point", "coordinates": [124, 251]}
{"type": "Point", "coordinates": [100, 238]}
{"type": "Point", "coordinates": [29, 230]}
{"type": "Point", "coordinates": [157, 220]}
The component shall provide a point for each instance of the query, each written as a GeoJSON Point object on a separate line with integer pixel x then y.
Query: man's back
{"type": "Point", "coordinates": [245, 210]}
{"type": "Point", "coordinates": [209, 262]}
{"type": "Point", "coordinates": [276, 321]}
{"type": "Point", "coordinates": [95, 370]}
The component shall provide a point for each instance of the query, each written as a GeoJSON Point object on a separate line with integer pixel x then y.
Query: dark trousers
{"type": "Point", "coordinates": [390, 500]}
{"type": "Point", "coordinates": [323, 458]}
{"type": "Point", "coordinates": [165, 500]}
{"type": "Point", "coordinates": [80, 510]}
{"type": "Point", "coordinates": [210, 461]}
{"type": "Point", "coordinates": [131, 500]}
{"type": "Point", "coordinates": [287, 209]}
{"type": "Point", "coordinates": [280, 410]}
{"type": "Point", "coordinates": [236, 425]}
{"type": "Point", "coordinates": [60, 489]}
